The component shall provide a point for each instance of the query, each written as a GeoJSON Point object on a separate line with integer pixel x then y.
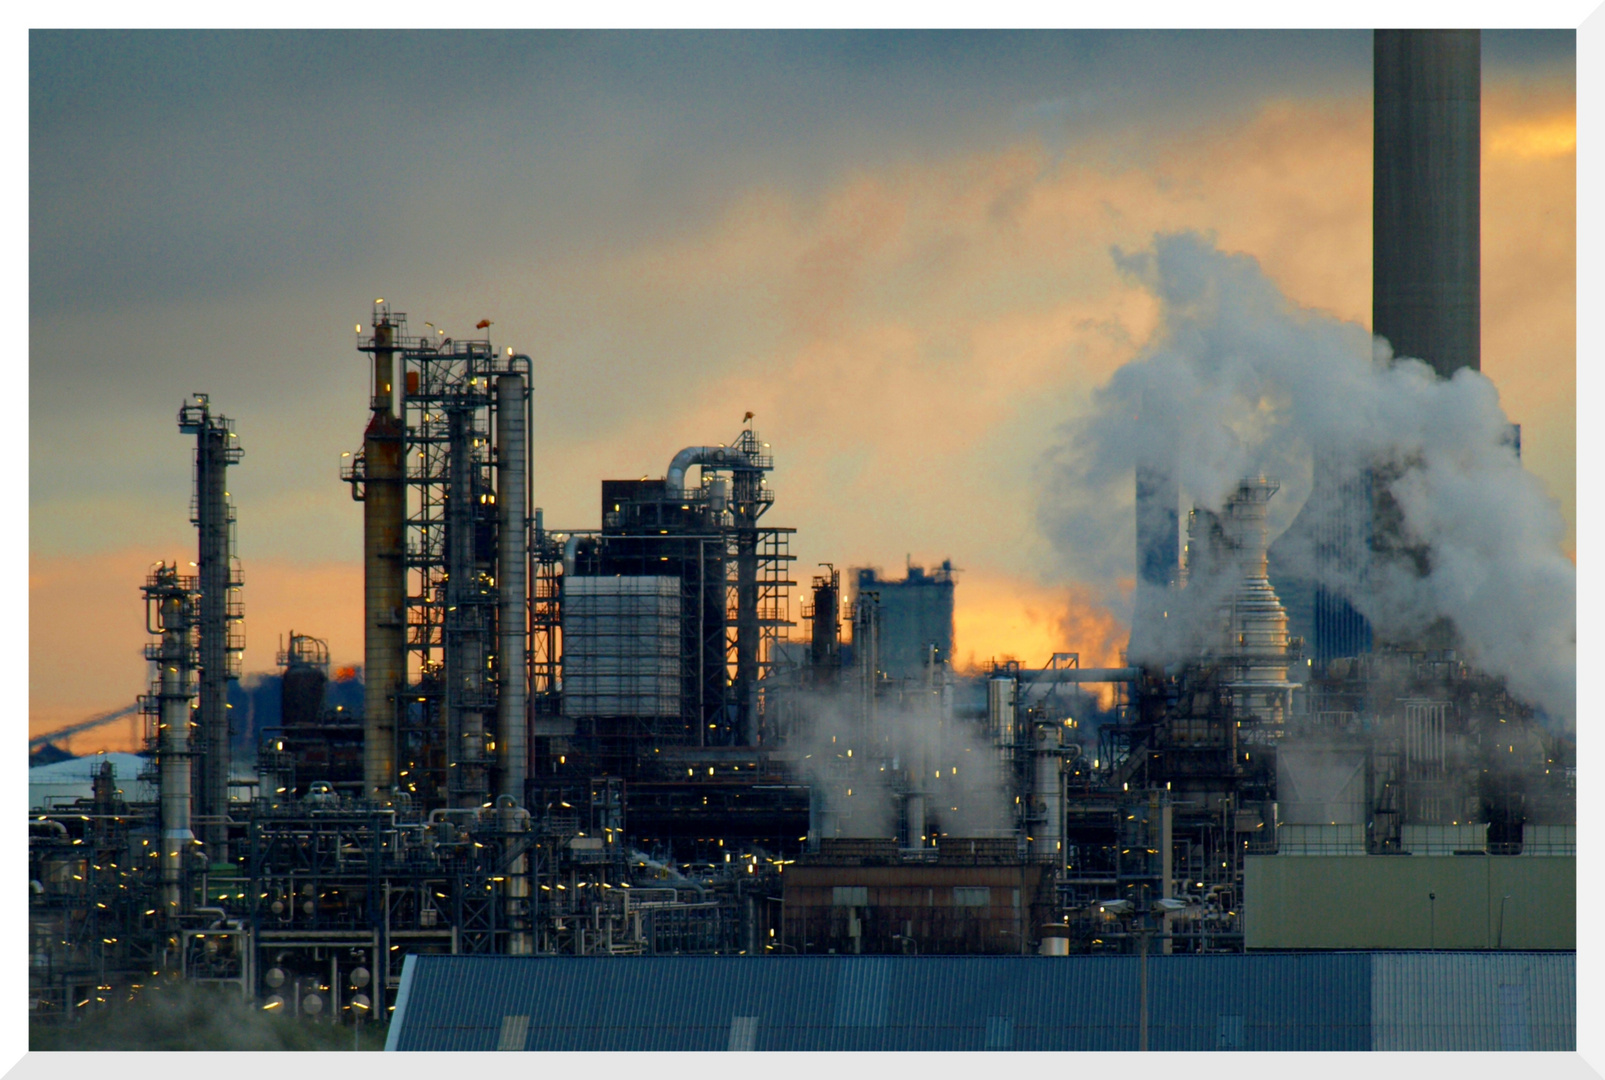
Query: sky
{"type": "Point", "coordinates": [896, 249]}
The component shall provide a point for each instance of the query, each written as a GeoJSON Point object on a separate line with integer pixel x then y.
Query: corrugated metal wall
{"type": "Point", "coordinates": [1474, 1001]}
{"type": "Point", "coordinates": [1315, 1001]}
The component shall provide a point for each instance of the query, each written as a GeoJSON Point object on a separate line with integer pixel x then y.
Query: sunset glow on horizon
{"type": "Point", "coordinates": [912, 301]}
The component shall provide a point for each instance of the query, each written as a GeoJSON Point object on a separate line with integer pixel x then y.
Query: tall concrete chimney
{"type": "Point", "coordinates": [1426, 281]}
{"type": "Point", "coordinates": [1426, 196]}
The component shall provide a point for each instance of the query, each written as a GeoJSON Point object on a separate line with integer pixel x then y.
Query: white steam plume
{"type": "Point", "coordinates": [951, 761]}
{"type": "Point", "coordinates": [1238, 380]}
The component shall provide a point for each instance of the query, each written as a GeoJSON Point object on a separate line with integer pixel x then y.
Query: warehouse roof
{"type": "Point", "coordinates": [1278, 1001]}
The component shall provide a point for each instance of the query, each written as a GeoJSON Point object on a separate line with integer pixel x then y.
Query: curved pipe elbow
{"type": "Point", "coordinates": [674, 479]}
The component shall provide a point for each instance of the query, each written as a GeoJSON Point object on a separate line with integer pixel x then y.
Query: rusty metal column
{"type": "Point", "coordinates": [384, 570]}
{"type": "Point", "coordinates": [512, 559]}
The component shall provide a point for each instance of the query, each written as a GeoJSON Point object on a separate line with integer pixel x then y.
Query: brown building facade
{"type": "Point", "coordinates": [977, 896]}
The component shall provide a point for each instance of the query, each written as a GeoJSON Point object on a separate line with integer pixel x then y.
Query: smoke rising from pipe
{"type": "Point", "coordinates": [951, 761]}
{"type": "Point", "coordinates": [1238, 380]}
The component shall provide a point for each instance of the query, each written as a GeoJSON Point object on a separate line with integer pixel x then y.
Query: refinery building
{"type": "Point", "coordinates": [615, 761]}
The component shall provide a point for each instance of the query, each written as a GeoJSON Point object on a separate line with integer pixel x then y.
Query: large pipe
{"type": "Point", "coordinates": [674, 478]}
{"type": "Point", "coordinates": [1427, 195]}
{"type": "Point", "coordinates": [384, 570]}
{"type": "Point", "coordinates": [512, 559]}
{"type": "Point", "coordinates": [1079, 675]}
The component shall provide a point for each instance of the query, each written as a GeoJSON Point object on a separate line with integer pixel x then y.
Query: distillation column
{"type": "Point", "coordinates": [512, 563]}
{"type": "Point", "coordinates": [380, 478]}
{"type": "Point", "coordinates": [866, 652]}
{"type": "Point", "coordinates": [169, 611]}
{"type": "Point", "coordinates": [464, 629]}
{"type": "Point", "coordinates": [1047, 789]}
{"type": "Point", "coordinates": [215, 450]}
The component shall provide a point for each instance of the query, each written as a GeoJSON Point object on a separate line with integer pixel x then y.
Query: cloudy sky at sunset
{"type": "Point", "coordinates": [895, 249]}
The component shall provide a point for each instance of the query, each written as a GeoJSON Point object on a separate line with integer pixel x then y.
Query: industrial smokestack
{"type": "Point", "coordinates": [1426, 196]}
{"type": "Point", "coordinates": [1425, 300]}
{"type": "Point", "coordinates": [1426, 231]}
{"type": "Point", "coordinates": [379, 481]}
{"type": "Point", "coordinates": [511, 577]}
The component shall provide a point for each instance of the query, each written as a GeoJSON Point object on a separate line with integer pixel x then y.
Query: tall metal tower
{"type": "Point", "coordinates": [444, 476]}
{"type": "Point", "coordinates": [220, 618]}
{"type": "Point", "coordinates": [377, 480]}
{"type": "Point", "coordinates": [170, 613]}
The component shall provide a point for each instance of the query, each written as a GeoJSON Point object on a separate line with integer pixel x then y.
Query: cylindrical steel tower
{"type": "Point", "coordinates": [169, 611]}
{"type": "Point", "coordinates": [384, 569]}
{"type": "Point", "coordinates": [216, 448]}
{"type": "Point", "coordinates": [512, 559]}
{"type": "Point", "coordinates": [1426, 210]}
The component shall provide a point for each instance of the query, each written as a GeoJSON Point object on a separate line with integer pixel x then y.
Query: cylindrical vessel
{"type": "Point", "coordinates": [1048, 833]}
{"type": "Point", "coordinates": [512, 557]}
{"type": "Point", "coordinates": [214, 572]}
{"type": "Point", "coordinates": [916, 820]}
{"type": "Point", "coordinates": [384, 573]}
{"type": "Point", "coordinates": [174, 617]}
{"type": "Point", "coordinates": [1000, 697]}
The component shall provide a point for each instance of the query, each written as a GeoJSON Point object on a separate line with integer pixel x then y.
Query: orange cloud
{"type": "Point", "coordinates": [999, 617]}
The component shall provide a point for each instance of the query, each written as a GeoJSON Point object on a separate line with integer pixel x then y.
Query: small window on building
{"type": "Point", "coordinates": [850, 896]}
{"type": "Point", "coordinates": [972, 896]}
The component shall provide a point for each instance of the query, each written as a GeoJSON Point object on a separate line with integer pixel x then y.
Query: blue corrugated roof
{"type": "Point", "coordinates": [1273, 1002]}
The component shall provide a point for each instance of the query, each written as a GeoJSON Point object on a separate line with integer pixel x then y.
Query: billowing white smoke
{"type": "Point", "coordinates": [855, 768]}
{"type": "Point", "coordinates": [1238, 380]}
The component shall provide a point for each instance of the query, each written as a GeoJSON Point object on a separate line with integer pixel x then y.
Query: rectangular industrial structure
{"type": "Point", "coordinates": [1473, 901]}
